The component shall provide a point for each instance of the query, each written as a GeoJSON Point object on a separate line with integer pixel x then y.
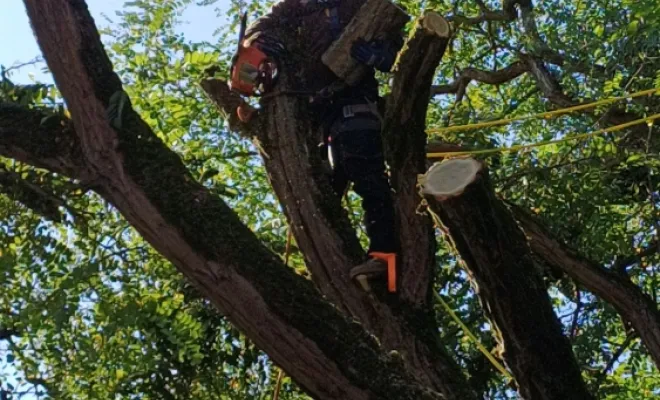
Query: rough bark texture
{"type": "Point", "coordinates": [405, 138]}
{"type": "Point", "coordinates": [375, 17]}
{"type": "Point", "coordinates": [317, 343]}
{"type": "Point", "coordinates": [31, 195]}
{"type": "Point", "coordinates": [45, 141]}
{"type": "Point", "coordinates": [219, 92]}
{"type": "Point", "coordinates": [330, 356]}
{"type": "Point", "coordinates": [512, 293]}
{"type": "Point", "coordinates": [328, 242]}
{"type": "Point", "coordinates": [629, 301]}
{"type": "Point", "coordinates": [468, 75]}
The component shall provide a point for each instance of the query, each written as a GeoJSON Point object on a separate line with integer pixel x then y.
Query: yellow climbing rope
{"type": "Point", "coordinates": [547, 114]}
{"type": "Point", "coordinates": [648, 120]}
{"type": "Point", "coordinates": [436, 221]}
{"type": "Point", "coordinates": [287, 254]}
{"type": "Point", "coordinates": [467, 331]}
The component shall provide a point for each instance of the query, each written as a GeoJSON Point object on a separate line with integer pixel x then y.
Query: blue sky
{"type": "Point", "coordinates": [17, 43]}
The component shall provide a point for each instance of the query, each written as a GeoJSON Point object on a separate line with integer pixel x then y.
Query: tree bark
{"type": "Point", "coordinates": [628, 299]}
{"type": "Point", "coordinates": [31, 195]}
{"type": "Point", "coordinates": [404, 133]}
{"type": "Point", "coordinates": [375, 18]}
{"type": "Point", "coordinates": [329, 355]}
{"type": "Point", "coordinates": [288, 135]}
{"type": "Point", "coordinates": [511, 290]}
{"type": "Point", "coordinates": [45, 141]}
{"type": "Point", "coordinates": [330, 247]}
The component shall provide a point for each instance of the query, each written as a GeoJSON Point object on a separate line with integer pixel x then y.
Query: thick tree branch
{"type": "Point", "coordinates": [546, 82]}
{"type": "Point", "coordinates": [405, 138]}
{"type": "Point", "coordinates": [328, 241]}
{"type": "Point", "coordinates": [326, 238]}
{"type": "Point", "coordinates": [41, 140]}
{"type": "Point", "coordinates": [228, 102]}
{"type": "Point", "coordinates": [31, 195]}
{"type": "Point", "coordinates": [508, 284]}
{"type": "Point", "coordinates": [468, 75]}
{"type": "Point", "coordinates": [374, 18]}
{"type": "Point", "coordinates": [622, 263]}
{"type": "Point", "coordinates": [151, 187]}
{"type": "Point", "coordinates": [629, 301]}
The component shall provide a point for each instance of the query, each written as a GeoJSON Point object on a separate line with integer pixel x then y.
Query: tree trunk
{"type": "Point", "coordinates": [511, 290]}
{"type": "Point", "coordinates": [288, 137]}
{"type": "Point", "coordinates": [326, 238]}
{"type": "Point", "coordinates": [404, 134]}
{"type": "Point", "coordinates": [329, 355]}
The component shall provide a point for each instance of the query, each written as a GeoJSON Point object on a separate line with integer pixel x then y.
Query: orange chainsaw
{"type": "Point", "coordinates": [253, 73]}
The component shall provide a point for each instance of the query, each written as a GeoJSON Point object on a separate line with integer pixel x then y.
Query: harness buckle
{"type": "Point", "coordinates": [348, 111]}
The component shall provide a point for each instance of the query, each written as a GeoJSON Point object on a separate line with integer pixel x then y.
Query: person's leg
{"type": "Point", "coordinates": [363, 163]}
{"type": "Point", "coordinates": [378, 208]}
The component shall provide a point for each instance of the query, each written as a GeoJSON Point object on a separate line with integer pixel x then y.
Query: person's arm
{"type": "Point", "coordinates": [266, 32]}
{"type": "Point", "coordinates": [379, 53]}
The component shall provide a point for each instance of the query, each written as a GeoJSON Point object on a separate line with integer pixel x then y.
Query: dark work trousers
{"type": "Point", "coordinates": [358, 158]}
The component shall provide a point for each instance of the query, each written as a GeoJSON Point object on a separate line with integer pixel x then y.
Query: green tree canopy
{"type": "Point", "coordinates": [93, 306]}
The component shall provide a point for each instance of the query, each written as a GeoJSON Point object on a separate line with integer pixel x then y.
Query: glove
{"type": "Point", "coordinates": [376, 53]}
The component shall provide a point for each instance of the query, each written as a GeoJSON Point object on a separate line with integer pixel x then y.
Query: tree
{"type": "Point", "coordinates": [333, 339]}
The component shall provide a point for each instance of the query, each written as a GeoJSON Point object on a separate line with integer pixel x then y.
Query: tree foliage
{"type": "Point", "coordinates": [89, 310]}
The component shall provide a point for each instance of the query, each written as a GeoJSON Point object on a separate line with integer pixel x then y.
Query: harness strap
{"type": "Point", "coordinates": [352, 109]}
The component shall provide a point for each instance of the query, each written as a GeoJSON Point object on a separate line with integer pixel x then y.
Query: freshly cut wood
{"type": "Point", "coordinates": [435, 23]}
{"type": "Point", "coordinates": [375, 18]}
{"type": "Point", "coordinates": [449, 178]}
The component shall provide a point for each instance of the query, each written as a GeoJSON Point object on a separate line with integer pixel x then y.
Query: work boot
{"type": "Point", "coordinates": [369, 269]}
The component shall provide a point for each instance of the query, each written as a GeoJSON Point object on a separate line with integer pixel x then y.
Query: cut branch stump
{"type": "Point", "coordinates": [512, 292]}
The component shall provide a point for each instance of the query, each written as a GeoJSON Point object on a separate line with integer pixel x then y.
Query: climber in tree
{"type": "Point", "coordinates": [349, 114]}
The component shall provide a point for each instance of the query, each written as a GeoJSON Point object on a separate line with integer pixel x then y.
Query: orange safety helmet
{"type": "Point", "coordinates": [252, 71]}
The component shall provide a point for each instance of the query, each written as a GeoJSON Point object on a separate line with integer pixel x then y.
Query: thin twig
{"type": "Point", "coordinates": [615, 357]}
{"type": "Point", "coordinates": [36, 60]}
{"type": "Point", "coordinates": [278, 385]}
{"type": "Point", "coordinates": [576, 314]}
